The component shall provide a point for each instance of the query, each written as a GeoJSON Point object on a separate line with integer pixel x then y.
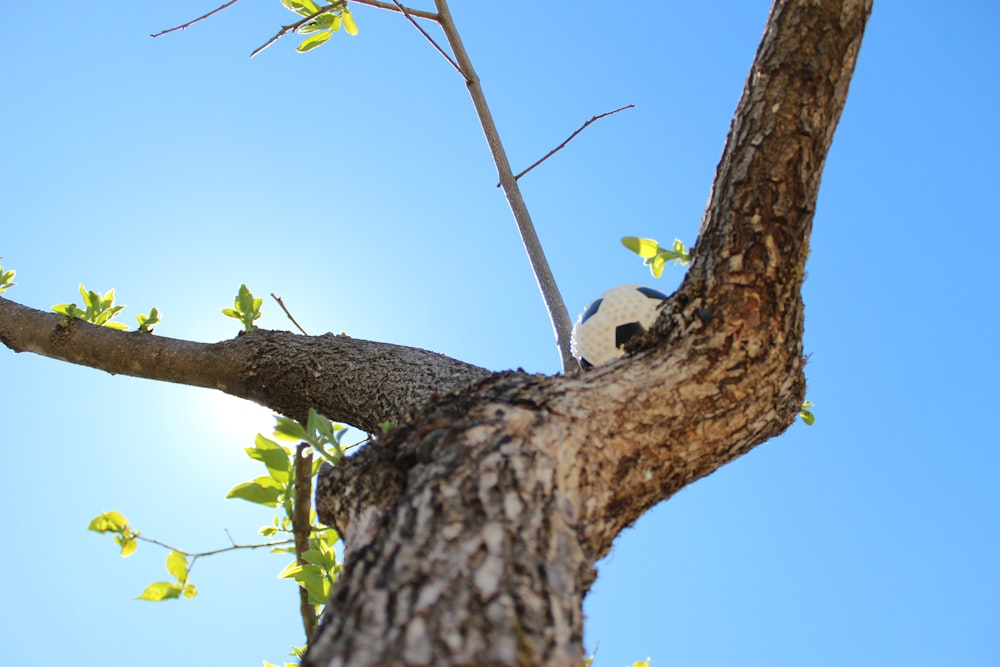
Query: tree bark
{"type": "Point", "coordinates": [471, 532]}
{"type": "Point", "coordinates": [355, 381]}
{"type": "Point", "coordinates": [472, 528]}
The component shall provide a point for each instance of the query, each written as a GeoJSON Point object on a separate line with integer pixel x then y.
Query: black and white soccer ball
{"type": "Point", "coordinates": [611, 321]}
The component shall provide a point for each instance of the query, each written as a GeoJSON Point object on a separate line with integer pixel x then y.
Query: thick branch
{"type": "Point", "coordinates": [358, 382]}
{"type": "Point", "coordinates": [470, 532]}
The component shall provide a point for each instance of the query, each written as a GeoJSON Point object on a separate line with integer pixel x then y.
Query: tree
{"type": "Point", "coordinates": [471, 529]}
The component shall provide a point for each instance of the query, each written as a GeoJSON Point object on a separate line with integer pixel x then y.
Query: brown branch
{"type": "Point", "coordinates": [298, 24]}
{"type": "Point", "coordinates": [570, 138]}
{"type": "Point", "coordinates": [349, 380]}
{"type": "Point", "coordinates": [419, 13]}
{"type": "Point", "coordinates": [200, 18]}
{"type": "Point", "coordinates": [282, 304]}
{"type": "Point", "coordinates": [562, 326]}
{"type": "Point", "coordinates": [406, 13]}
{"type": "Point", "coordinates": [301, 528]}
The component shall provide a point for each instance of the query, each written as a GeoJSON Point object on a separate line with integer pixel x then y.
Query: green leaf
{"type": "Point", "coordinates": [159, 591]}
{"type": "Point", "coordinates": [6, 279]}
{"type": "Point", "coordinates": [272, 455]}
{"type": "Point", "coordinates": [350, 27]}
{"type": "Point", "coordinates": [807, 416]}
{"type": "Point", "coordinates": [656, 264]}
{"type": "Point", "coordinates": [129, 545]}
{"type": "Point", "coordinates": [314, 40]}
{"type": "Point", "coordinates": [190, 590]}
{"type": "Point", "coordinates": [255, 492]}
{"type": "Point", "coordinates": [301, 7]}
{"type": "Point", "coordinates": [645, 248]}
{"type": "Point", "coordinates": [177, 565]}
{"type": "Point", "coordinates": [289, 429]}
{"type": "Point", "coordinates": [108, 522]}
{"type": "Point", "coordinates": [310, 577]}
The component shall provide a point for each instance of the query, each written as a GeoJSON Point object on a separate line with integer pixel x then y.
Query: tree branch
{"type": "Point", "coordinates": [396, 7]}
{"type": "Point", "coordinates": [558, 314]}
{"type": "Point", "coordinates": [191, 23]}
{"type": "Point", "coordinates": [354, 381]}
{"type": "Point", "coordinates": [302, 527]}
{"type": "Point", "coordinates": [285, 29]}
{"type": "Point", "coordinates": [282, 304]}
{"type": "Point", "coordinates": [430, 39]}
{"type": "Point", "coordinates": [569, 139]}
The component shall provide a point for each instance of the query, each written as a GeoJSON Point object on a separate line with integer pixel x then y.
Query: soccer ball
{"type": "Point", "coordinates": [611, 321]}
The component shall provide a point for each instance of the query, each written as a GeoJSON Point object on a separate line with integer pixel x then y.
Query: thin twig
{"type": "Point", "coordinates": [430, 39]}
{"type": "Point", "coordinates": [285, 29]}
{"type": "Point", "coordinates": [419, 13]}
{"type": "Point", "coordinates": [558, 315]}
{"type": "Point", "coordinates": [234, 547]}
{"type": "Point", "coordinates": [282, 304]}
{"type": "Point", "coordinates": [200, 18]}
{"type": "Point", "coordinates": [563, 144]}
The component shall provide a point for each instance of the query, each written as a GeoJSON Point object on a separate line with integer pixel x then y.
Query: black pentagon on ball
{"type": "Point", "coordinates": [591, 310]}
{"type": "Point", "coordinates": [651, 293]}
{"type": "Point", "coordinates": [626, 332]}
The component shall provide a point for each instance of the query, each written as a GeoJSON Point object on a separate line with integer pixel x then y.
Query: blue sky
{"type": "Point", "coordinates": [354, 183]}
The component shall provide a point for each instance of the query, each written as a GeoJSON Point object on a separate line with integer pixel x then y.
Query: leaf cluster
{"type": "Point", "coordinates": [322, 21]}
{"type": "Point", "coordinates": [654, 256]}
{"type": "Point", "coordinates": [180, 568]}
{"type": "Point", "coordinates": [806, 414]}
{"type": "Point", "coordinates": [316, 568]}
{"type": "Point", "coordinates": [6, 279]}
{"type": "Point", "coordinates": [114, 522]}
{"type": "Point", "coordinates": [245, 308]}
{"type": "Point", "coordinates": [101, 310]}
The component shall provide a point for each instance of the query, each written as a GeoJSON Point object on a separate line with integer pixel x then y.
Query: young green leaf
{"type": "Point", "coordinates": [6, 279]}
{"type": "Point", "coordinates": [289, 429]}
{"type": "Point", "coordinates": [350, 27]}
{"type": "Point", "coordinates": [301, 7]}
{"type": "Point", "coordinates": [108, 522]}
{"type": "Point", "coordinates": [147, 322]}
{"type": "Point", "coordinates": [645, 248]}
{"type": "Point", "coordinates": [159, 591]}
{"type": "Point", "coordinates": [806, 414]}
{"type": "Point", "coordinates": [128, 545]}
{"type": "Point", "coordinates": [272, 455]}
{"type": "Point", "coordinates": [177, 565]}
{"type": "Point", "coordinates": [314, 40]}
{"type": "Point", "coordinates": [263, 494]}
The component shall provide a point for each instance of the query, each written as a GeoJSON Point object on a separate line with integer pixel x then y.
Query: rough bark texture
{"type": "Point", "coordinates": [350, 380]}
{"type": "Point", "coordinates": [471, 529]}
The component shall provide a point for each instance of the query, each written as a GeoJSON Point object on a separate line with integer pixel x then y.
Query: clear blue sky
{"type": "Point", "coordinates": [354, 183]}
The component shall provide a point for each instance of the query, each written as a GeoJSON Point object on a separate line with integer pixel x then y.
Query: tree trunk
{"type": "Point", "coordinates": [471, 531]}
